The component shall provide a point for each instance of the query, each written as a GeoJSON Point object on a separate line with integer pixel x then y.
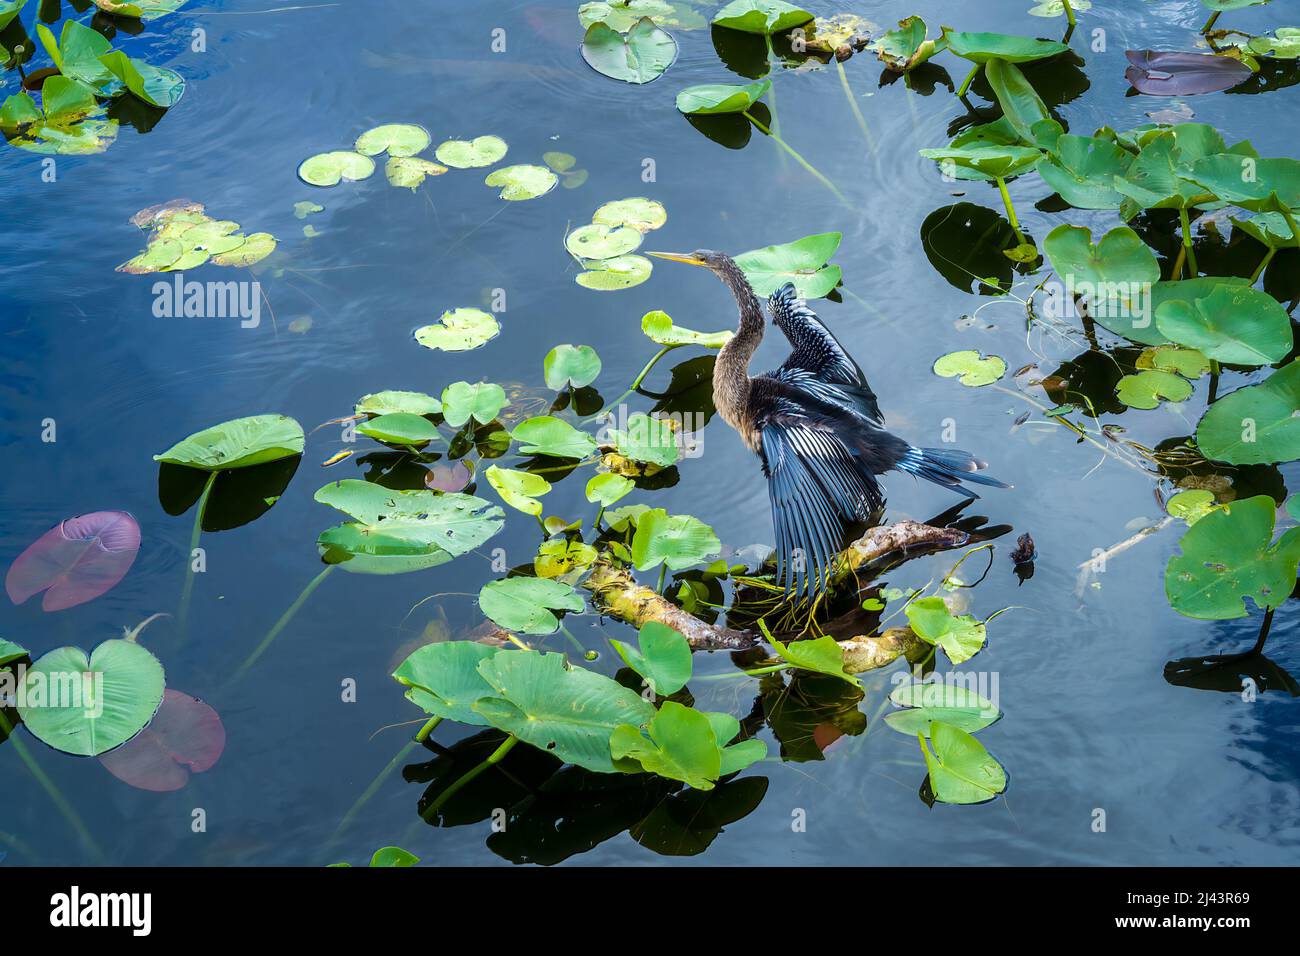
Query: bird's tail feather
{"type": "Point", "coordinates": [948, 467]}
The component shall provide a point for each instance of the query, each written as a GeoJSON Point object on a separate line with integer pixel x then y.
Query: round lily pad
{"type": "Point", "coordinates": [1147, 388]}
{"type": "Point", "coordinates": [640, 55]}
{"type": "Point", "coordinates": [481, 401]}
{"type": "Point", "coordinates": [410, 171]}
{"type": "Point", "coordinates": [638, 212]}
{"type": "Point", "coordinates": [253, 249]}
{"type": "Point", "coordinates": [400, 428]}
{"type": "Point", "coordinates": [565, 365]}
{"type": "Point", "coordinates": [397, 139]}
{"type": "Point", "coordinates": [186, 736]}
{"type": "Point", "coordinates": [467, 154]}
{"type": "Point", "coordinates": [459, 330]}
{"type": "Point", "coordinates": [973, 369]}
{"type": "Point", "coordinates": [328, 169]}
{"type": "Point", "coordinates": [611, 275]}
{"type": "Point", "coordinates": [238, 443]}
{"type": "Point", "coordinates": [598, 241]}
{"type": "Point", "coordinates": [525, 604]}
{"type": "Point", "coordinates": [383, 403]}
{"type": "Point", "coordinates": [523, 181]}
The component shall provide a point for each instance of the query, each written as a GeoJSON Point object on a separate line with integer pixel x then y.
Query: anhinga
{"type": "Point", "coordinates": [815, 425]}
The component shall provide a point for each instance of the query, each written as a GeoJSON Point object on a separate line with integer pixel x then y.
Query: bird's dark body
{"type": "Point", "coordinates": [817, 428]}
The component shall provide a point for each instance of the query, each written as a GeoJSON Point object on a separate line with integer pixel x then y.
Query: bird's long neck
{"type": "Point", "coordinates": [731, 383]}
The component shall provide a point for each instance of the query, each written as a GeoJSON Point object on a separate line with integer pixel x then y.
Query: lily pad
{"type": "Point", "coordinates": [525, 604]}
{"type": "Point", "coordinates": [1283, 44]}
{"type": "Point", "coordinates": [598, 241]}
{"type": "Point", "coordinates": [154, 85]}
{"type": "Point", "coordinates": [329, 169]}
{"type": "Point", "coordinates": [563, 560]}
{"type": "Point", "coordinates": [522, 181]}
{"type": "Point", "coordinates": [640, 55]}
{"type": "Point", "coordinates": [648, 439]}
{"type": "Point", "coordinates": [88, 704]}
{"type": "Point", "coordinates": [410, 171]}
{"type": "Point", "coordinates": [547, 435]}
{"type": "Point", "coordinates": [68, 122]}
{"type": "Point", "coordinates": [760, 16]}
{"type": "Point", "coordinates": [1022, 107]}
{"type": "Point", "coordinates": [1082, 170]}
{"type": "Point", "coordinates": [405, 429]}
{"type": "Point", "coordinates": [459, 330]}
{"type": "Point", "coordinates": [77, 52]}
{"type": "Point", "coordinates": [1234, 324]}
{"type": "Point", "coordinates": [75, 561]}
{"type": "Point", "coordinates": [1166, 73]}
{"type": "Point", "coordinates": [926, 702]}
{"type": "Point", "coordinates": [1259, 424]}
{"type": "Point", "coordinates": [384, 403]}
{"type": "Point", "coordinates": [253, 249]}
{"type": "Point", "coordinates": [622, 15]}
{"type": "Point", "coordinates": [1229, 555]}
{"type": "Point", "coordinates": [462, 401]}
{"type": "Point", "coordinates": [679, 743]}
{"type": "Point", "coordinates": [987, 162]}
{"type": "Point", "coordinates": [638, 212]}
{"type": "Point", "coordinates": [662, 657]}
{"type": "Point", "coordinates": [803, 262]}
{"type": "Point", "coordinates": [1269, 228]}
{"type": "Point", "coordinates": [519, 489]}
{"type": "Point", "coordinates": [982, 47]}
{"type": "Point", "coordinates": [820, 656]}
{"type": "Point", "coordinates": [471, 153]}
{"type": "Point", "coordinates": [660, 329]}
{"type": "Point", "coordinates": [1254, 184]}
{"type": "Point", "coordinates": [960, 636]}
{"type": "Point", "coordinates": [1056, 8]}
{"type": "Point", "coordinates": [185, 737]}
{"type": "Point", "coordinates": [396, 139]}
{"type": "Point", "coordinates": [140, 9]}
{"type": "Point", "coordinates": [961, 770]}
{"type": "Point", "coordinates": [1146, 389]}
{"type": "Point", "coordinates": [605, 489]}
{"type": "Point", "coordinates": [679, 541]}
{"type": "Point", "coordinates": [1115, 277]}
{"type": "Point", "coordinates": [570, 365]}
{"type": "Point", "coordinates": [906, 48]}
{"type": "Point", "coordinates": [1191, 506]}
{"type": "Point", "coordinates": [975, 370]}
{"type": "Point", "coordinates": [442, 679]}
{"type": "Point", "coordinates": [709, 99]}
{"type": "Point", "coordinates": [238, 443]}
{"type": "Point", "coordinates": [614, 275]}
{"type": "Point", "coordinates": [10, 652]}
{"type": "Point", "coordinates": [1189, 363]}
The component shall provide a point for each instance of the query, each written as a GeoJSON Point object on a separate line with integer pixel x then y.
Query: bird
{"type": "Point", "coordinates": [816, 426]}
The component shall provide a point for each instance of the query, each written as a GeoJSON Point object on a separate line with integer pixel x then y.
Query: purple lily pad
{"type": "Point", "coordinates": [1158, 73]}
{"type": "Point", "coordinates": [450, 477]}
{"type": "Point", "coordinates": [75, 561]}
{"type": "Point", "coordinates": [185, 736]}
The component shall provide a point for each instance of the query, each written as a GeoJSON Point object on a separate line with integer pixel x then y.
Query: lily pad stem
{"type": "Point", "coordinates": [183, 612]}
{"type": "Point", "coordinates": [285, 618]}
{"type": "Point", "coordinates": [1209, 24]}
{"type": "Point", "coordinates": [853, 105]}
{"type": "Point", "coordinates": [1263, 632]}
{"type": "Point", "coordinates": [1011, 210]}
{"type": "Point", "coordinates": [383, 775]}
{"type": "Point", "coordinates": [1069, 12]}
{"type": "Point", "coordinates": [1290, 221]}
{"type": "Point", "coordinates": [1263, 264]}
{"type": "Point", "coordinates": [799, 159]}
{"type": "Point", "coordinates": [965, 84]}
{"type": "Point", "coordinates": [492, 760]}
{"type": "Point", "coordinates": [56, 795]}
{"type": "Point", "coordinates": [1187, 241]}
{"type": "Point", "coordinates": [636, 382]}
{"type": "Point", "coordinates": [663, 573]}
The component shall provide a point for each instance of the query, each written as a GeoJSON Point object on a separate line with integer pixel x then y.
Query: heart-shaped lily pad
{"type": "Point", "coordinates": [185, 737]}
{"type": "Point", "coordinates": [547, 435]}
{"type": "Point", "coordinates": [974, 370]}
{"type": "Point", "coordinates": [521, 182]}
{"type": "Point", "coordinates": [519, 489]}
{"type": "Point", "coordinates": [638, 212]}
{"type": "Point", "coordinates": [679, 541]}
{"type": "Point", "coordinates": [396, 139]}
{"type": "Point", "coordinates": [710, 99]}
{"type": "Point", "coordinates": [459, 330]}
{"type": "Point", "coordinates": [443, 679]}
{"type": "Point", "coordinates": [525, 604]}
{"type": "Point", "coordinates": [481, 401]}
{"type": "Point", "coordinates": [410, 171]}
{"type": "Point", "coordinates": [570, 365]}
{"type": "Point", "coordinates": [238, 443]}
{"type": "Point", "coordinates": [471, 153]}
{"type": "Point", "coordinates": [329, 169]}
{"type": "Point", "coordinates": [598, 241]}
{"type": "Point", "coordinates": [404, 429]}
{"type": "Point", "coordinates": [961, 770]}
{"type": "Point", "coordinates": [640, 55]}
{"type": "Point", "coordinates": [803, 262]}
{"type": "Point", "coordinates": [1259, 424]}
{"type": "Point", "coordinates": [613, 275]}
{"type": "Point", "coordinates": [926, 702]}
{"type": "Point", "coordinates": [76, 561]}
{"type": "Point", "coordinates": [1147, 388]}
{"type": "Point", "coordinates": [384, 403]}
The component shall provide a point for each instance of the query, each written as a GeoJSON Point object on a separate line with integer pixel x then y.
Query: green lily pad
{"type": "Point", "coordinates": [614, 275]}
{"type": "Point", "coordinates": [87, 705]}
{"type": "Point", "coordinates": [1056, 8]}
{"type": "Point", "coordinates": [660, 329]}
{"type": "Point", "coordinates": [519, 489]}
{"type": "Point", "coordinates": [1188, 363]}
{"type": "Point", "coordinates": [679, 743]}
{"type": "Point", "coordinates": [442, 679]}
{"type": "Point", "coordinates": [328, 169]}
{"type": "Point", "coordinates": [525, 604]}
{"type": "Point", "coordinates": [410, 171]}
{"type": "Point", "coordinates": [459, 330]}
{"type": "Point", "coordinates": [1146, 389]}
{"type": "Point", "coordinates": [1114, 277]}
{"type": "Point", "coordinates": [1269, 228]}
{"type": "Point", "coordinates": [400, 428]}
{"type": "Point", "coordinates": [598, 241]}
{"type": "Point", "coordinates": [522, 182]}
{"type": "Point", "coordinates": [68, 122]}
{"type": "Point", "coordinates": [1158, 179]}
{"type": "Point", "coordinates": [387, 402]}
{"type": "Point", "coordinates": [547, 435]}
{"type": "Point", "coordinates": [77, 52]}
{"type": "Point", "coordinates": [570, 365]}
{"type": "Point", "coordinates": [1191, 506]}
{"type": "Point", "coordinates": [638, 212]}
{"type": "Point", "coordinates": [802, 262]}
{"type": "Point", "coordinates": [640, 55]}
{"type": "Point", "coordinates": [760, 16]}
{"type": "Point", "coordinates": [1082, 170]}
{"type": "Point", "coordinates": [396, 139]}
{"type": "Point", "coordinates": [678, 541]}
{"type": "Point", "coordinates": [253, 249]}
{"type": "Point", "coordinates": [709, 99]}
{"type": "Point", "coordinates": [140, 9]}
{"type": "Point", "coordinates": [605, 489]}
{"type": "Point", "coordinates": [961, 637]}
{"type": "Point", "coordinates": [906, 48]}
{"type": "Point", "coordinates": [987, 162]}
{"type": "Point", "coordinates": [10, 652]}
{"type": "Point", "coordinates": [1283, 44]}
{"type": "Point", "coordinates": [239, 443]}
{"type": "Point", "coordinates": [563, 560]}
{"type": "Point", "coordinates": [622, 15]}
{"type": "Point", "coordinates": [472, 153]}
{"type": "Point", "coordinates": [1229, 555]}
{"type": "Point", "coordinates": [652, 440]}
{"type": "Point", "coordinates": [952, 704]}
{"type": "Point", "coordinates": [462, 401]}
{"type": "Point", "coordinates": [961, 770]}
{"type": "Point", "coordinates": [154, 85]}
{"type": "Point", "coordinates": [569, 712]}
{"type": "Point", "coordinates": [1022, 107]}
{"type": "Point", "coordinates": [1259, 424]}
{"type": "Point", "coordinates": [983, 47]}
{"type": "Point", "coordinates": [975, 370]}
{"type": "Point", "coordinates": [1233, 324]}
{"type": "Point", "coordinates": [1255, 184]}
{"type": "Point", "coordinates": [821, 656]}
{"type": "Point", "coordinates": [662, 657]}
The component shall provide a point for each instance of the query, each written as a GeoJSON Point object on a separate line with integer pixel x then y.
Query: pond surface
{"type": "Point", "coordinates": [1184, 776]}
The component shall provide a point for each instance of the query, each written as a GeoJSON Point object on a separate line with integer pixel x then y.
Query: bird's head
{"type": "Point", "coordinates": [713, 261]}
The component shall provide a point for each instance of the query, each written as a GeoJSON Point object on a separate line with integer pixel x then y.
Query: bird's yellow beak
{"type": "Point", "coordinates": [690, 260]}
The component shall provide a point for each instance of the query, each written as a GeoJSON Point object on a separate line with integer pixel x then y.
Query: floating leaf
{"type": "Point", "coordinates": [1259, 424]}
{"type": "Point", "coordinates": [77, 53]}
{"type": "Point", "coordinates": [802, 262]}
{"type": "Point", "coordinates": [462, 401]}
{"type": "Point", "coordinates": [253, 249]}
{"type": "Point", "coordinates": [547, 435]}
{"type": "Point", "coordinates": [405, 429]}
{"type": "Point", "coordinates": [974, 369]}
{"type": "Point", "coordinates": [821, 656]}
{"type": "Point", "coordinates": [87, 705]}
{"type": "Point", "coordinates": [1022, 107]}
{"type": "Point", "coordinates": [712, 98]}
{"type": "Point", "coordinates": [1229, 555]}
{"type": "Point", "coordinates": [1114, 277]}
{"type": "Point", "coordinates": [69, 125]}
{"type": "Point", "coordinates": [1056, 8]}
{"type": "Point", "coordinates": [660, 329]}
{"type": "Point", "coordinates": [982, 47]}
{"type": "Point", "coordinates": [640, 55]}
{"type": "Point", "coordinates": [442, 679]}
{"type": "Point", "coordinates": [522, 182]}
{"type": "Point", "coordinates": [652, 440]}
{"type": "Point", "coordinates": [570, 365]}
{"type": "Point", "coordinates": [622, 15]}
{"type": "Point", "coordinates": [1233, 324]}
{"type": "Point", "coordinates": [598, 241]}
{"type": "Point", "coordinates": [519, 489]}
{"type": "Point", "coordinates": [469, 154]}
{"type": "Point", "coordinates": [679, 743]}
{"type": "Point", "coordinates": [563, 560]}
{"type": "Point", "coordinates": [396, 139]}
{"type": "Point", "coordinates": [410, 171]}
{"type": "Point", "coordinates": [638, 212]}
{"type": "Point", "coordinates": [1191, 506]}
{"type": "Point", "coordinates": [678, 541]}
{"type": "Point", "coordinates": [384, 403]}
{"type": "Point", "coordinates": [1269, 228]}
{"type": "Point", "coordinates": [1254, 184]}
{"type": "Point", "coordinates": [185, 737]}
{"type": "Point", "coordinates": [459, 330]}
{"type": "Point", "coordinates": [525, 604]}
{"type": "Point", "coordinates": [10, 652]}
{"type": "Point", "coordinates": [1147, 388]}
{"type": "Point", "coordinates": [986, 162]}
{"type": "Point", "coordinates": [328, 169]}
{"type": "Point", "coordinates": [952, 704]}
{"type": "Point", "coordinates": [75, 561]}
{"type": "Point", "coordinates": [760, 16]}
{"type": "Point", "coordinates": [1082, 170]}
{"type": "Point", "coordinates": [961, 770]}
{"type": "Point", "coordinates": [1165, 73]}
{"type": "Point", "coordinates": [139, 9]}
{"type": "Point", "coordinates": [1283, 44]}
{"type": "Point", "coordinates": [906, 48]}
{"type": "Point", "coordinates": [567, 711]}
{"type": "Point", "coordinates": [1188, 363]}
{"type": "Point", "coordinates": [238, 443]}
{"type": "Point", "coordinates": [961, 637]}
{"type": "Point", "coordinates": [613, 275]}
{"type": "Point", "coordinates": [155, 85]}
{"type": "Point", "coordinates": [662, 657]}
{"type": "Point", "coordinates": [607, 488]}
{"type": "Point", "coordinates": [393, 856]}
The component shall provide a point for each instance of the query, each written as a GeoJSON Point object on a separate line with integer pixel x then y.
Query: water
{"type": "Point", "coordinates": [1183, 776]}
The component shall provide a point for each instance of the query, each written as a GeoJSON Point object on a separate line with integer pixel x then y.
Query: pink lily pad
{"type": "Point", "coordinates": [76, 561]}
{"type": "Point", "coordinates": [450, 477]}
{"type": "Point", "coordinates": [186, 736]}
{"type": "Point", "coordinates": [1165, 73]}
